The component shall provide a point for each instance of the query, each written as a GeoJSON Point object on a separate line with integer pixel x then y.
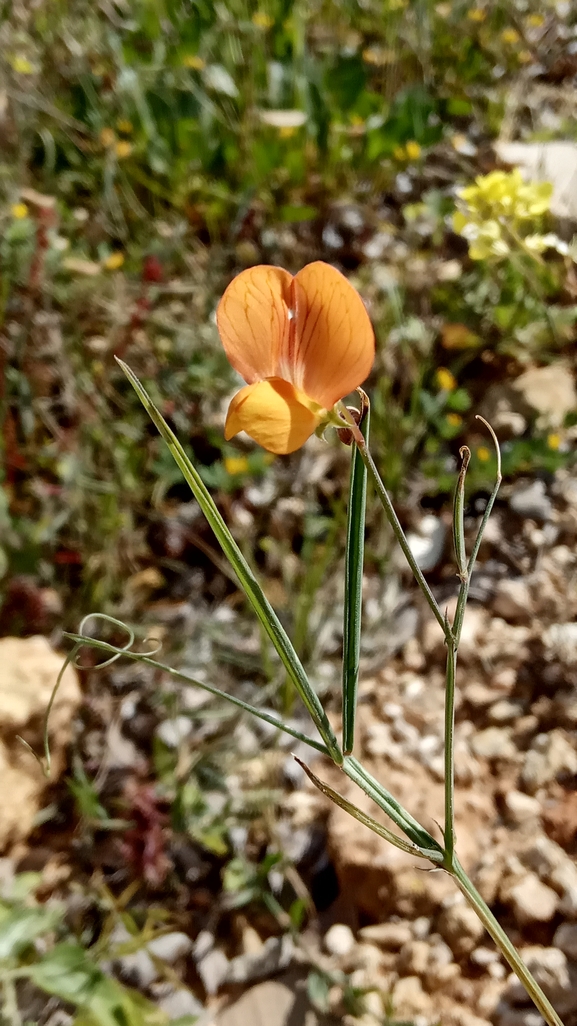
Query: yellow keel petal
{"type": "Point", "coordinates": [274, 414]}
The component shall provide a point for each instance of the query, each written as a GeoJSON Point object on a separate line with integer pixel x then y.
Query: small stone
{"type": "Point", "coordinates": [275, 954]}
{"type": "Point", "coordinates": [494, 743]}
{"type": "Point", "coordinates": [532, 901]}
{"type": "Point", "coordinates": [178, 1003]}
{"type": "Point", "coordinates": [441, 968]}
{"type": "Point", "coordinates": [548, 966]}
{"type": "Point", "coordinates": [560, 642]}
{"type": "Point", "coordinates": [566, 939]}
{"type": "Point", "coordinates": [339, 940]}
{"type": "Point", "coordinates": [475, 627]}
{"type": "Point", "coordinates": [531, 501]}
{"type": "Point", "coordinates": [547, 759]}
{"type": "Point", "coordinates": [170, 947]}
{"type": "Point", "coordinates": [390, 936]}
{"type": "Point", "coordinates": [409, 998]}
{"type": "Point", "coordinates": [521, 807]}
{"type": "Point", "coordinates": [513, 600]}
{"type": "Point", "coordinates": [505, 710]}
{"type": "Point", "coordinates": [550, 391]}
{"type": "Point", "coordinates": [203, 944]}
{"type": "Point", "coordinates": [30, 668]}
{"type": "Point", "coordinates": [544, 856]}
{"type": "Point", "coordinates": [213, 970]}
{"type": "Point", "coordinates": [413, 958]}
{"type": "Point", "coordinates": [428, 543]}
{"type": "Point", "coordinates": [461, 928]}
{"type": "Point", "coordinates": [564, 880]}
{"type": "Point", "coordinates": [421, 927]}
{"type": "Point", "coordinates": [484, 956]}
{"type": "Point", "coordinates": [135, 967]}
{"type": "Point", "coordinates": [173, 732]}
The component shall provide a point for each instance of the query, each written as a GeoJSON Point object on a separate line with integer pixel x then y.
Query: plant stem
{"type": "Point", "coordinates": [392, 517]}
{"type": "Point", "coordinates": [505, 946]}
{"type": "Point", "coordinates": [450, 754]}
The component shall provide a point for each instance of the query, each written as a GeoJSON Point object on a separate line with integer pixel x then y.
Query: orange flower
{"type": "Point", "coordinates": [301, 343]}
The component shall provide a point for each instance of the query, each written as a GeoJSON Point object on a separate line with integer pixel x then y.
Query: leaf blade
{"type": "Point", "coordinates": [354, 559]}
{"type": "Point", "coordinates": [248, 581]}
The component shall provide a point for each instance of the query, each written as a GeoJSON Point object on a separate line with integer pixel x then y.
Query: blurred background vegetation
{"type": "Point", "coordinates": [149, 150]}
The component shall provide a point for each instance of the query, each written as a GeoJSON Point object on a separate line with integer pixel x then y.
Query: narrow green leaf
{"type": "Point", "coordinates": [354, 559]}
{"type": "Point", "coordinates": [141, 657]}
{"type": "Point", "coordinates": [399, 815]}
{"type": "Point", "coordinates": [248, 581]}
{"type": "Point", "coordinates": [359, 815]}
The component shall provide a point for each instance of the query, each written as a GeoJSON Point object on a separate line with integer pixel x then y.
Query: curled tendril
{"type": "Point", "coordinates": [81, 639]}
{"type": "Point", "coordinates": [106, 619]}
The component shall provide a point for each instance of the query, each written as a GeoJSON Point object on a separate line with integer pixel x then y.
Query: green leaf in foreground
{"type": "Point", "coordinates": [69, 973]}
{"type": "Point", "coordinates": [248, 581]}
{"type": "Point", "coordinates": [22, 926]}
{"type": "Point", "coordinates": [354, 559]}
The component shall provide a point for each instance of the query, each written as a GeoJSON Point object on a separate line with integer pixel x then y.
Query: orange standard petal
{"type": "Point", "coordinates": [274, 414]}
{"type": "Point", "coordinates": [253, 320]}
{"type": "Point", "coordinates": [332, 344]}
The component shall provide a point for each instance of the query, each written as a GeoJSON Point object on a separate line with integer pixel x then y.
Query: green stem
{"type": "Point", "coordinates": [392, 516]}
{"type": "Point", "coordinates": [505, 946]}
{"type": "Point", "coordinates": [450, 754]}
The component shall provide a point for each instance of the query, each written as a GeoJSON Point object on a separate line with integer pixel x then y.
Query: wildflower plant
{"type": "Point", "coordinates": [498, 214]}
{"type": "Point", "coordinates": [302, 344]}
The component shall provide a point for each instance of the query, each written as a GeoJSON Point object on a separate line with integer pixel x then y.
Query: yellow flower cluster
{"type": "Point", "coordinates": [495, 212]}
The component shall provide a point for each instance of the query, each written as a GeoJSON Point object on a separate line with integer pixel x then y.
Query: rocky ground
{"type": "Point", "coordinates": [384, 926]}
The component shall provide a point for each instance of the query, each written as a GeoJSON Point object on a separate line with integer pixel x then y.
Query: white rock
{"type": "Point", "coordinates": [550, 391]}
{"type": "Point", "coordinates": [549, 755]}
{"type": "Point", "coordinates": [176, 1002]}
{"type": "Point", "coordinates": [441, 968]}
{"type": "Point", "coordinates": [550, 969]}
{"type": "Point", "coordinates": [531, 501]}
{"type": "Point", "coordinates": [428, 543]}
{"type": "Point", "coordinates": [460, 928]}
{"type": "Point", "coordinates": [136, 967]}
{"type": "Point", "coordinates": [494, 743]}
{"type": "Point", "coordinates": [565, 938]}
{"type": "Point", "coordinates": [505, 710]}
{"type": "Point", "coordinates": [513, 600]}
{"type": "Point", "coordinates": [213, 969]}
{"type": "Point", "coordinates": [521, 807]}
{"type": "Point", "coordinates": [173, 732]}
{"type": "Point", "coordinates": [339, 940]}
{"type": "Point", "coordinates": [413, 958]}
{"type": "Point", "coordinates": [544, 856]}
{"type": "Point", "coordinates": [30, 668]}
{"type": "Point", "coordinates": [564, 880]}
{"type": "Point", "coordinates": [409, 997]}
{"type": "Point", "coordinates": [274, 955]}
{"type": "Point", "coordinates": [390, 936]}
{"type": "Point", "coordinates": [170, 946]}
{"type": "Point", "coordinates": [484, 956]}
{"type": "Point", "coordinates": [532, 901]}
{"type": "Point", "coordinates": [554, 162]}
{"type": "Point", "coordinates": [560, 641]}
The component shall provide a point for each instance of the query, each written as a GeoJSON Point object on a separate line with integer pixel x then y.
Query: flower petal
{"type": "Point", "coordinates": [334, 344]}
{"type": "Point", "coordinates": [273, 414]}
{"type": "Point", "coordinates": [253, 320]}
